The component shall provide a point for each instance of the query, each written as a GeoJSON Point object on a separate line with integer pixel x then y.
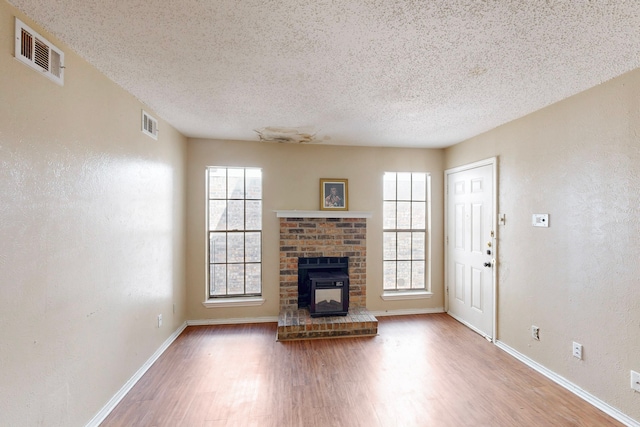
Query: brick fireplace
{"type": "Point", "coordinates": [323, 234]}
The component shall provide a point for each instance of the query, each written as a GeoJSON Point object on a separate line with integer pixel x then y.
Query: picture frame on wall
{"type": "Point", "coordinates": [334, 194]}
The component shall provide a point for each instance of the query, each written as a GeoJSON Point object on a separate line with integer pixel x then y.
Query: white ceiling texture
{"type": "Point", "coordinates": [408, 73]}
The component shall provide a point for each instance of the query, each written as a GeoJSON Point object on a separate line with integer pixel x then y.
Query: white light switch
{"type": "Point", "coordinates": [540, 220]}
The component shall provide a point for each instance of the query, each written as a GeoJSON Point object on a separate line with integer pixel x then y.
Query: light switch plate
{"type": "Point", "coordinates": [540, 220]}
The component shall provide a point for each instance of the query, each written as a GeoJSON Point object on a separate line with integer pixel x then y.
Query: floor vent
{"type": "Point", "coordinates": [38, 53]}
{"type": "Point", "coordinates": [149, 125]}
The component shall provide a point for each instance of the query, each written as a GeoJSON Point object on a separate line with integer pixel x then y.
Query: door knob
{"type": "Point", "coordinates": [487, 264]}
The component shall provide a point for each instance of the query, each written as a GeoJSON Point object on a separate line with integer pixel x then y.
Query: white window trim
{"type": "Point", "coordinates": [406, 295]}
{"type": "Point", "coordinates": [233, 302]}
{"type": "Point", "coordinates": [225, 301]}
{"type": "Point", "coordinates": [424, 293]}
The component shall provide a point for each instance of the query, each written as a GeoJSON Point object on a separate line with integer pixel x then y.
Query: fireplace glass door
{"type": "Point", "coordinates": [329, 294]}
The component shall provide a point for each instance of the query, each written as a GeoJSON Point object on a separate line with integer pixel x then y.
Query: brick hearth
{"type": "Point", "coordinates": [322, 236]}
{"type": "Point", "coordinates": [297, 324]}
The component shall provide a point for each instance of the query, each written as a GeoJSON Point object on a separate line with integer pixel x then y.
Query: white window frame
{"type": "Point", "coordinates": [230, 300]}
{"type": "Point", "coordinates": [415, 293]}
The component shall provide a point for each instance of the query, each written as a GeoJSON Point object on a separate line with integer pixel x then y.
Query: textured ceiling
{"type": "Point", "coordinates": [379, 72]}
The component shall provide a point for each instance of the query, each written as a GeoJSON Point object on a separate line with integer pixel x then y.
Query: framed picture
{"type": "Point", "coordinates": [334, 194]}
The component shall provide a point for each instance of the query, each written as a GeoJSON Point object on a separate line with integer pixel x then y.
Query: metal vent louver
{"type": "Point", "coordinates": [38, 53]}
{"type": "Point", "coordinates": [149, 125]}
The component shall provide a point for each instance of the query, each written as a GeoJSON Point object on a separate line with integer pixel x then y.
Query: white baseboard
{"type": "Point", "coordinates": [407, 311]}
{"type": "Point", "coordinates": [563, 382]}
{"type": "Point", "coordinates": [106, 410]}
{"type": "Point", "coordinates": [233, 321]}
{"type": "Point", "coordinates": [274, 319]}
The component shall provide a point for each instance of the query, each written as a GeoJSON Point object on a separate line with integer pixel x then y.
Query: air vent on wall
{"type": "Point", "coordinates": [149, 125]}
{"type": "Point", "coordinates": [38, 53]}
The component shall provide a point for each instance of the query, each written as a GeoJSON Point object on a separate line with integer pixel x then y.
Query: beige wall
{"type": "Point", "coordinates": [579, 279]}
{"type": "Point", "coordinates": [92, 231]}
{"type": "Point", "coordinates": [291, 176]}
{"type": "Point", "coordinates": [92, 220]}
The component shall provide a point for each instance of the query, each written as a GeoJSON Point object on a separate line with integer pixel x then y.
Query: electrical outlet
{"type": "Point", "coordinates": [174, 307]}
{"type": "Point", "coordinates": [577, 350]}
{"type": "Point", "coordinates": [535, 332]}
{"type": "Point", "coordinates": [159, 320]}
{"type": "Point", "coordinates": [635, 381]}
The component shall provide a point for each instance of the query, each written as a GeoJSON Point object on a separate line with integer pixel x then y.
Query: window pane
{"type": "Point", "coordinates": [389, 271]}
{"type": "Point", "coordinates": [217, 247]}
{"type": "Point", "coordinates": [217, 215]}
{"type": "Point", "coordinates": [252, 247]}
{"type": "Point", "coordinates": [235, 279]}
{"type": "Point", "coordinates": [404, 186]}
{"type": "Point", "coordinates": [417, 245]}
{"type": "Point", "coordinates": [235, 215]}
{"type": "Point", "coordinates": [217, 183]}
{"type": "Point", "coordinates": [254, 184]}
{"type": "Point", "coordinates": [235, 247]}
{"type": "Point", "coordinates": [418, 215]}
{"type": "Point", "coordinates": [404, 251]}
{"type": "Point", "coordinates": [253, 278]}
{"type": "Point", "coordinates": [389, 188]}
{"type": "Point", "coordinates": [404, 274]}
{"type": "Point", "coordinates": [404, 246]}
{"type": "Point", "coordinates": [419, 187]}
{"type": "Point", "coordinates": [417, 275]}
{"type": "Point", "coordinates": [254, 215]}
{"type": "Point", "coordinates": [218, 279]}
{"type": "Point", "coordinates": [235, 206]}
{"type": "Point", "coordinates": [404, 216]}
{"type": "Point", "coordinates": [235, 183]}
{"type": "Point", "coordinates": [389, 215]}
{"type": "Point", "coordinates": [389, 246]}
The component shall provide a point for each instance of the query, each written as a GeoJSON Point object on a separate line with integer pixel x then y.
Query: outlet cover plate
{"type": "Point", "coordinates": [577, 350]}
{"type": "Point", "coordinates": [635, 381]}
{"type": "Point", "coordinates": [535, 332]}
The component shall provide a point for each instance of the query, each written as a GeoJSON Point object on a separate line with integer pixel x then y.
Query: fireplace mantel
{"type": "Point", "coordinates": [323, 214]}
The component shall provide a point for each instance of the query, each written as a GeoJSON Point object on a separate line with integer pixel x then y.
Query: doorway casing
{"type": "Point", "coordinates": [493, 163]}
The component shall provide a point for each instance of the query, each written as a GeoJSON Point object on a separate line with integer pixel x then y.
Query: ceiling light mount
{"type": "Point", "coordinates": [291, 135]}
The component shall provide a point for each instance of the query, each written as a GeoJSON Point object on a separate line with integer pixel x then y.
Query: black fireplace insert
{"type": "Point", "coordinates": [330, 277]}
{"type": "Point", "coordinates": [329, 293]}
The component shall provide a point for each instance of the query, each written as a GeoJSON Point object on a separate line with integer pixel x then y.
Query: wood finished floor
{"type": "Point", "coordinates": [421, 370]}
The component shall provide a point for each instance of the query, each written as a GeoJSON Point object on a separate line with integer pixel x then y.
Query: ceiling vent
{"type": "Point", "coordinates": [38, 53]}
{"type": "Point", "coordinates": [149, 125]}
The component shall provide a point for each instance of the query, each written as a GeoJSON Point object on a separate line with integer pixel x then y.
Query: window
{"type": "Point", "coordinates": [405, 220]}
{"type": "Point", "coordinates": [235, 231]}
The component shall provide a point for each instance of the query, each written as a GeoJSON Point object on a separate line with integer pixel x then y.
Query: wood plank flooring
{"type": "Point", "coordinates": [421, 370]}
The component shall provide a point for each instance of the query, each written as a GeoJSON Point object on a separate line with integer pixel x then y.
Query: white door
{"type": "Point", "coordinates": [470, 245]}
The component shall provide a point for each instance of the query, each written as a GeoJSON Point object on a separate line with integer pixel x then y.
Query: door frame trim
{"type": "Point", "coordinates": [492, 161]}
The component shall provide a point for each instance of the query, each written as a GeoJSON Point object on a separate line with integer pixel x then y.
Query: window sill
{"type": "Point", "coordinates": [233, 302]}
{"type": "Point", "coordinates": [398, 296]}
